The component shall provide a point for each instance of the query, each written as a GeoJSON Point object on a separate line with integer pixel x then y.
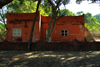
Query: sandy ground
{"type": "Point", "coordinates": [97, 40]}
{"type": "Point", "coordinates": [50, 59]}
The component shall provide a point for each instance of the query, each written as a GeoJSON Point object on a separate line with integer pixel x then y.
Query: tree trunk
{"type": "Point", "coordinates": [31, 35]}
{"type": "Point", "coordinates": [53, 20]}
{"type": "Point", "coordinates": [50, 31]}
{"type": "Point", "coordinates": [48, 36]}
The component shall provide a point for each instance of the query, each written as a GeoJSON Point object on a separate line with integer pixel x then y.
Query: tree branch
{"type": "Point", "coordinates": [51, 3]}
{"type": "Point", "coordinates": [60, 16]}
{"type": "Point", "coordinates": [58, 11]}
{"type": "Point", "coordinates": [58, 3]}
{"type": "Point", "coordinates": [4, 2]}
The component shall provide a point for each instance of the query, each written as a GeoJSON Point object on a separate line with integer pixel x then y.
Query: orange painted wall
{"type": "Point", "coordinates": [74, 25]}
{"type": "Point", "coordinates": [17, 20]}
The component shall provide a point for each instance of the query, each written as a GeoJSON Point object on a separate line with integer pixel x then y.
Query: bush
{"type": "Point", "coordinates": [3, 33]}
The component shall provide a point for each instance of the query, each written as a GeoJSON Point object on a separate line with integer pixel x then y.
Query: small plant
{"type": "Point", "coordinates": [2, 34]}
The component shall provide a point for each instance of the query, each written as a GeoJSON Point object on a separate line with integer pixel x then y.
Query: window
{"type": "Point", "coordinates": [16, 32]}
{"type": "Point", "coordinates": [64, 32]}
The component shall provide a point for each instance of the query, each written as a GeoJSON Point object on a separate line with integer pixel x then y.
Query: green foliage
{"type": "Point", "coordinates": [44, 11]}
{"type": "Point", "coordinates": [95, 27]}
{"type": "Point", "coordinates": [3, 16]}
{"type": "Point", "coordinates": [89, 18]}
{"type": "Point", "coordinates": [2, 30]}
{"type": "Point", "coordinates": [29, 6]}
{"type": "Point", "coordinates": [25, 6]}
{"type": "Point", "coordinates": [2, 26]}
{"type": "Point", "coordinates": [80, 13]}
{"type": "Point", "coordinates": [45, 8]}
{"type": "Point", "coordinates": [97, 17]}
{"type": "Point", "coordinates": [91, 23]}
{"type": "Point", "coordinates": [3, 33]}
{"type": "Point", "coordinates": [67, 12]}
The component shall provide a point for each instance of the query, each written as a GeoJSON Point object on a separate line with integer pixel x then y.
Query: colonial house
{"type": "Point", "coordinates": [67, 28]}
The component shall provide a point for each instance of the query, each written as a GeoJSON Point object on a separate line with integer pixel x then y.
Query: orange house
{"type": "Point", "coordinates": [67, 28]}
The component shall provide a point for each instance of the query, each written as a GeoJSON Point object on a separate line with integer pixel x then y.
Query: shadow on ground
{"type": "Point", "coordinates": [49, 59]}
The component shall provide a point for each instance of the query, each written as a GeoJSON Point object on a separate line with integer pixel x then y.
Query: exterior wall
{"type": "Point", "coordinates": [23, 21]}
{"type": "Point", "coordinates": [74, 25]}
{"type": "Point", "coordinates": [74, 32]}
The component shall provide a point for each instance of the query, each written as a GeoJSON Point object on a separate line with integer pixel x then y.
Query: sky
{"type": "Point", "coordinates": [84, 6]}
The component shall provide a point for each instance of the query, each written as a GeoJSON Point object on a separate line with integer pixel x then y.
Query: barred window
{"type": "Point", "coordinates": [64, 32]}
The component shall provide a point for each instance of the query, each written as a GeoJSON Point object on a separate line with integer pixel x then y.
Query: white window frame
{"type": "Point", "coordinates": [64, 32]}
{"type": "Point", "coordinates": [16, 32]}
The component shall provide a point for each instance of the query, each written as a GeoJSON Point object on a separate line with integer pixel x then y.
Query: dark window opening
{"type": "Point", "coordinates": [64, 32]}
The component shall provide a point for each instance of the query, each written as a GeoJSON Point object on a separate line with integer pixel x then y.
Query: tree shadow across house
{"type": "Point", "coordinates": [51, 59]}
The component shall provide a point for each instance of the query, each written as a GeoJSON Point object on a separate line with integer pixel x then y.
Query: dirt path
{"type": "Point", "coordinates": [49, 59]}
{"type": "Point", "coordinates": [97, 40]}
